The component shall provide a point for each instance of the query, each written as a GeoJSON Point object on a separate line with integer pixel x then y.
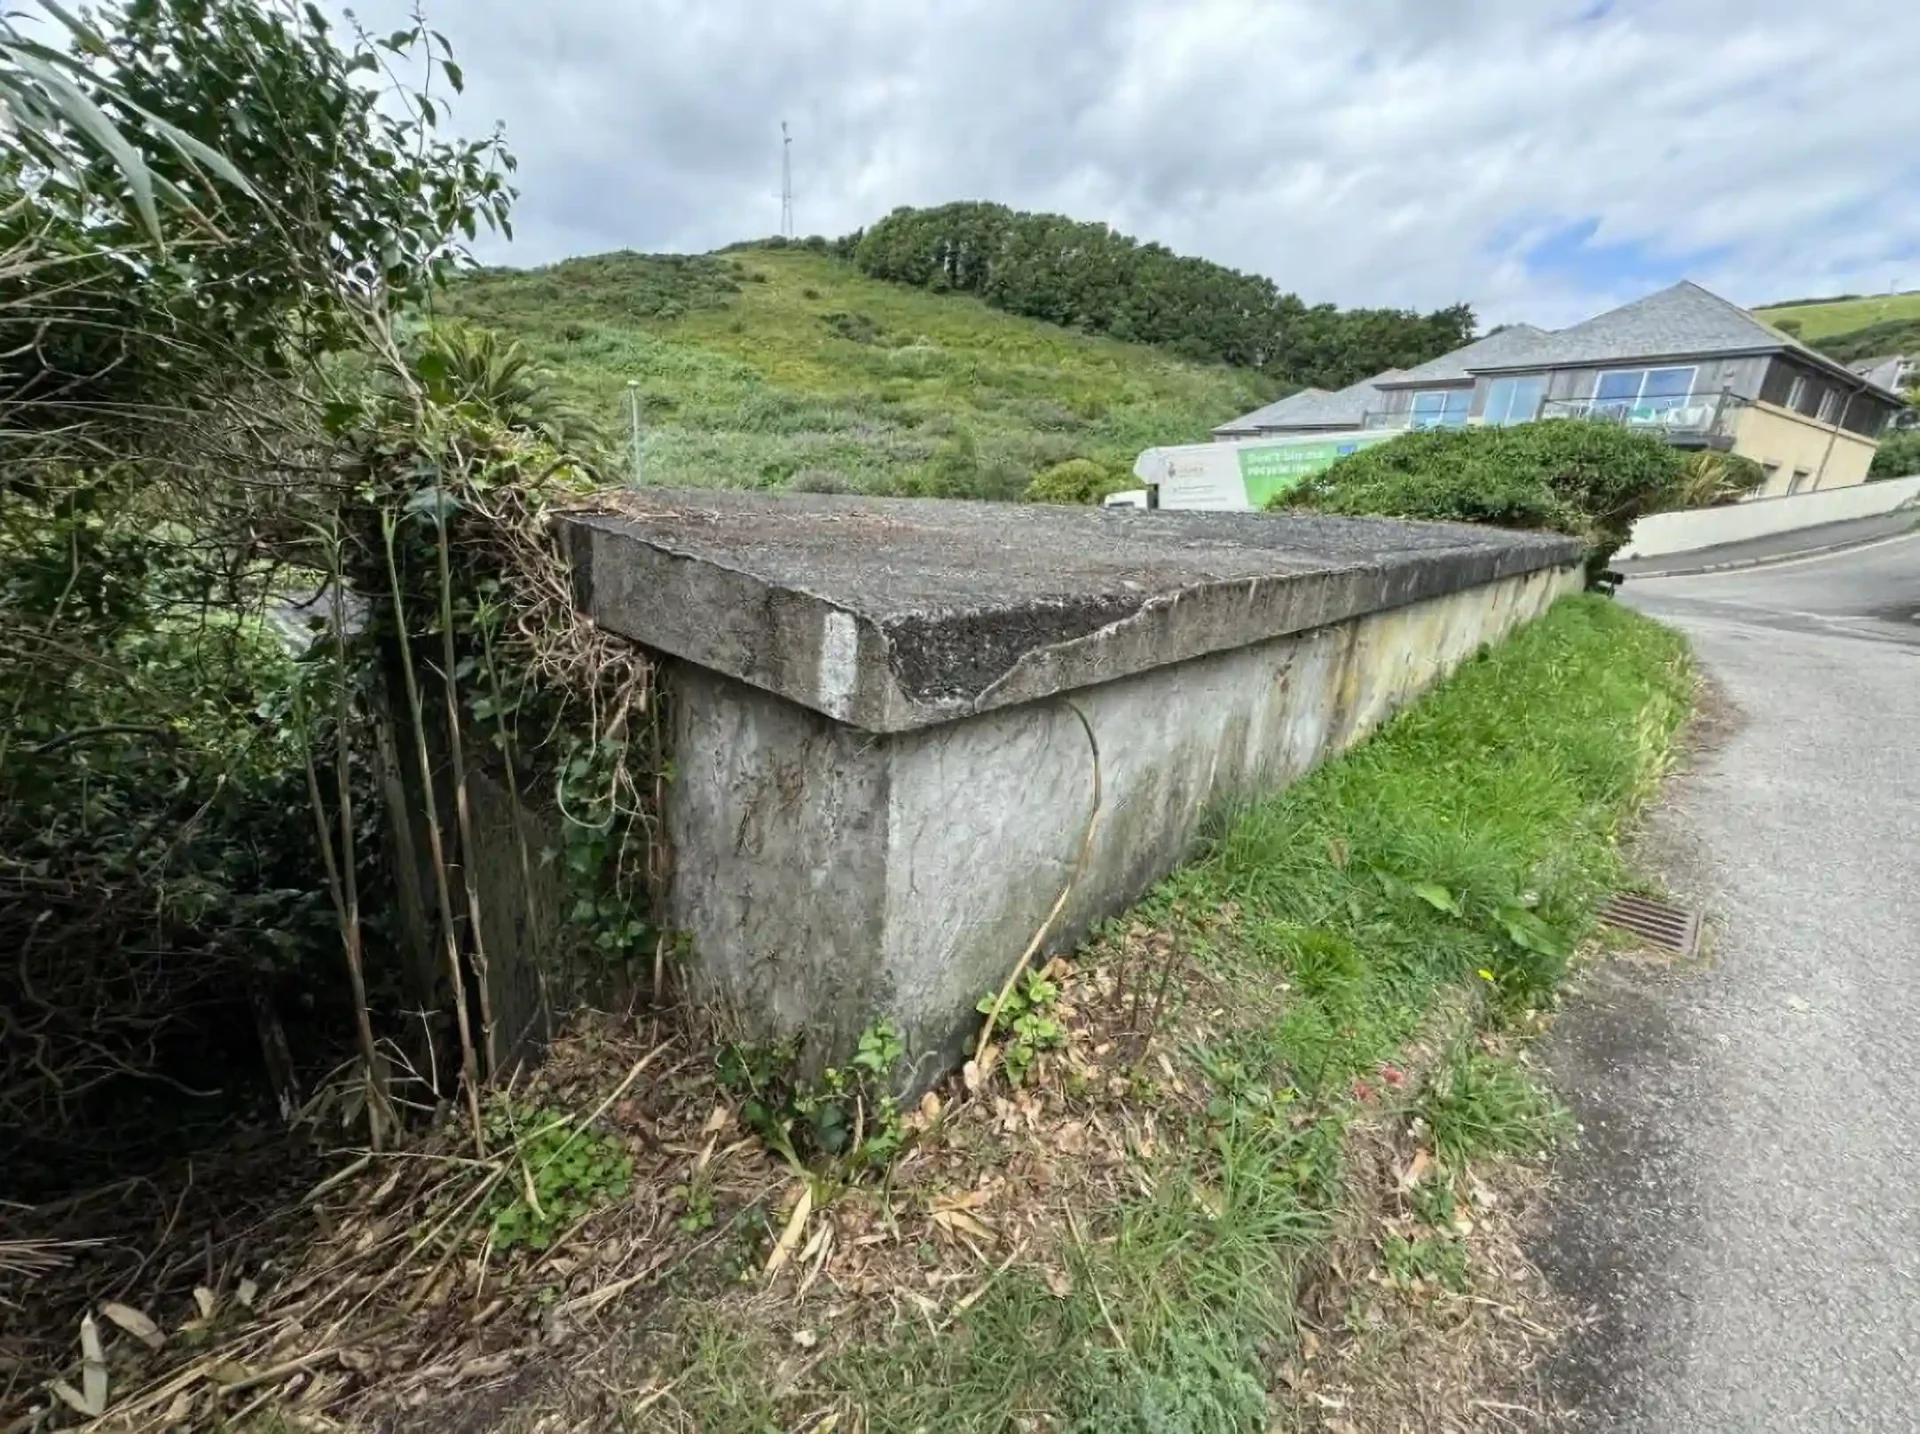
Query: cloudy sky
{"type": "Point", "coordinates": [1538, 158]}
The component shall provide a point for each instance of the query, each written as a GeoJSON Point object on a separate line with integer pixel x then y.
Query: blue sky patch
{"type": "Point", "coordinates": [1570, 253]}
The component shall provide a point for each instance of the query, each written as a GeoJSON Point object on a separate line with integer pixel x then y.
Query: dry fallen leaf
{"type": "Point", "coordinates": [1416, 1170]}
{"type": "Point", "coordinates": [93, 1367]}
{"type": "Point", "coordinates": [203, 1297]}
{"type": "Point", "coordinates": [1059, 1283]}
{"type": "Point", "coordinates": [790, 1237]}
{"type": "Point", "coordinates": [960, 1222]}
{"type": "Point", "coordinates": [248, 1289]}
{"type": "Point", "coordinates": [134, 1323]}
{"type": "Point", "coordinates": [72, 1398]}
{"type": "Point", "coordinates": [971, 1200]}
{"type": "Point", "coordinates": [717, 1122]}
{"type": "Point", "coordinates": [805, 1338]}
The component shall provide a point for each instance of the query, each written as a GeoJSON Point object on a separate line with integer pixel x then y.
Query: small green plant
{"type": "Point", "coordinates": [1432, 1259]}
{"type": "Point", "coordinates": [846, 1119]}
{"type": "Point", "coordinates": [1483, 1104]}
{"type": "Point", "coordinates": [1030, 1020]}
{"type": "Point", "coordinates": [697, 1204]}
{"type": "Point", "coordinates": [561, 1173]}
{"type": "Point", "coordinates": [1433, 1202]}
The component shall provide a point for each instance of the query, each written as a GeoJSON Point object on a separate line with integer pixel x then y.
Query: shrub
{"type": "Point", "coordinates": [1899, 455]}
{"type": "Point", "coordinates": [1710, 479]}
{"type": "Point", "coordinates": [1590, 480]}
{"type": "Point", "coordinates": [1078, 480]}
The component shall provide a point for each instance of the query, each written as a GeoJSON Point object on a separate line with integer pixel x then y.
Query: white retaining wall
{"type": "Point", "coordinates": [1663, 533]}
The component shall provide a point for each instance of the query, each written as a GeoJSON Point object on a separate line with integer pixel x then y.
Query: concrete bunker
{"type": "Point", "coordinates": [886, 716]}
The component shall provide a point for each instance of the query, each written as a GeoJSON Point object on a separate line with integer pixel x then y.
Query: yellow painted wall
{"type": "Point", "coordinates": [1767, 433]}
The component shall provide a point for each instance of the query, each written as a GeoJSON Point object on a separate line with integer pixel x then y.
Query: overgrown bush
{"type": "Point", "coordinates": [1589, 480]}
{"type": "Point", "coordinates": [1078, 480]}
{"type": "Point", "coordinates": [1898, 456]}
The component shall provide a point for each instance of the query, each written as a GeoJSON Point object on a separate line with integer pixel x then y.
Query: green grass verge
{"type": "Point", "coordinates": [1820, 321]}
{"type": "Point", "coordinates": [787, 369]}
{"type": "Point", "coordinates": [1463, 847]}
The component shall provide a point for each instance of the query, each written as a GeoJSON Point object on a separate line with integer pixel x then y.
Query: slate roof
{"type": "Point", "coordinates": [1888, 370]}
{"type": "Point", "coordinates": [1314, 408]}
{"type": "Point", "coordinates": [1683, 321]}
{"type": "Point", "coordinates": [1513, 344]}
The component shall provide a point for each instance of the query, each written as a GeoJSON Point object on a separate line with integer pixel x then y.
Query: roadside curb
{"type": "Point", "coordinates": [1772, 558]}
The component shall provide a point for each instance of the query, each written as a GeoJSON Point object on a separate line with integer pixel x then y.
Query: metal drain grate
{"type": "Point", "coordinates": [1661, 923]}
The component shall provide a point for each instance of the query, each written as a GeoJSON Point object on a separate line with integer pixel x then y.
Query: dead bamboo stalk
{"type": "Point", "coordinates": [462, 806]}
{"type": "Point", "coordinates": [349, 874]}
{"type": "Point", "coordinates": [469, 1070]}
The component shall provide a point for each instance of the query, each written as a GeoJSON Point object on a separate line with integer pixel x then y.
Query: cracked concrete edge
{"type": "Point", "coordinates": [797, 644]}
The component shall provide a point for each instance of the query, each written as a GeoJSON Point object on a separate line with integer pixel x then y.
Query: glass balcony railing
{"type": "Point", "coordinates": [1687, 419]}
{"type": "Point", "coordinates": [1692, 418]}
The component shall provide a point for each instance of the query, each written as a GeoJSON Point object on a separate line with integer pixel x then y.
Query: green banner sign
{"type": "Point", "coordinates": [1267, 472]}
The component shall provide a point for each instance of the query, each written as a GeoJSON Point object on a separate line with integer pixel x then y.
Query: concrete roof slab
{"type": "Point", "coordinates": [892, 614]}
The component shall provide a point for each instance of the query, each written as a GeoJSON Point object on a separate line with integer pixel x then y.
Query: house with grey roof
{"type": "Point", "coordinates": [1312, 410]}
{"type": "Point", "coordinates": [1683, 364]}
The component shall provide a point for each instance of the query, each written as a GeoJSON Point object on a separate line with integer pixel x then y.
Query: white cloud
{"type": "Point", "coordinates": [1362, 151]}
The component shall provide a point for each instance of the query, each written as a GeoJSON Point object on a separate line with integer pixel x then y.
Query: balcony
{"type": "Point", "coordinates": [1700, 420]}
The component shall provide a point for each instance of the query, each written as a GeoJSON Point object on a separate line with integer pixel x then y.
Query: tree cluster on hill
{"type": "Point", "coordinates": [1892, 336]}
{"type": "Point", "coordinates": [1087, 276]}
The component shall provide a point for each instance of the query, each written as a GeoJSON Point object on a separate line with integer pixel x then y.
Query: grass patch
{"type": "Point", "coordinates": [1460, 850]}
{"type": "Point", "coordinates": [788, 369]}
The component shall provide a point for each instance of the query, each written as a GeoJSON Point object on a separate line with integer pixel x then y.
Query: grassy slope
{"type": "Point", "coordinates": [747, 384]}
{"type": "Point", "coordinates": [1508, 785]}
{"type": "Point", "coordinates": [1822, 321]}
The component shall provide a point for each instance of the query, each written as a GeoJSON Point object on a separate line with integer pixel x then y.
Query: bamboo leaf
{"type": "Point", "coordinates": [93, 1367]}
{"type": "Point", "coordinates": [135, 1324]}
{"type": "Point", "coordinates": [790, 1237]}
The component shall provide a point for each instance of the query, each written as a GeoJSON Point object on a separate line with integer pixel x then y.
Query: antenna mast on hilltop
{"type": "Point", "coordinates": [786, 182]}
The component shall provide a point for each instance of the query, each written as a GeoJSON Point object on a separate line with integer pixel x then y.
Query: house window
{"type": "Point", "coordinates": [1514, 400]}
{"type": "Point", "coordinates": [1797, 395]}
{"type": "Point", "coordinates": [1830, 405]}
{"type": "Point", "coordinates": [1442, 408]}
{"type": "Point", "coordinates": [1643, 394]}
{"type": "Point", "coordinates": [1800, 476]}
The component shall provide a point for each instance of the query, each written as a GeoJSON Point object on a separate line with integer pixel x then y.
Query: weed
{"type": "Point", "coordinates": [845, 1121]}
{"type": "Point", "coordinates": [1433, 1259]}
{"type": "Point", "coordinates": [1483, 1104]}
{"type": "Point", "coordinates": [1433, 1202]}
{"type": "Point", "coordinates": [562, 1173]}
{"type": "Point", "coordinates": [1030, 1020]}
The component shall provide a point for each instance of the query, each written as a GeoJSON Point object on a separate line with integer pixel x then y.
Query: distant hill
{"type": "Point", "coordinates": [787, 367]}
{"type": "Point", "coordinates": [1818, 319]}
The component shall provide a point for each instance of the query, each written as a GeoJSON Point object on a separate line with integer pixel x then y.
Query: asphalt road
{"type": "Point", "coordinates": [1741, 1219]}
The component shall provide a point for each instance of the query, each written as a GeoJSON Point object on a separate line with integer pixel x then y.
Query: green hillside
{"type": "Point", "coordinates": [772, 368]}
{"type": "Point", "coordinates": [1822, 319]}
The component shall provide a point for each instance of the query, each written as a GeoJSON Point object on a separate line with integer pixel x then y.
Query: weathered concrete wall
{"type": "Point", "coordinates": [830, 875]}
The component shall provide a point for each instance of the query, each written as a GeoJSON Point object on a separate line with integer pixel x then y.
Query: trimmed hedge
{"type": "Point", "coordinates": [1591, 480]}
